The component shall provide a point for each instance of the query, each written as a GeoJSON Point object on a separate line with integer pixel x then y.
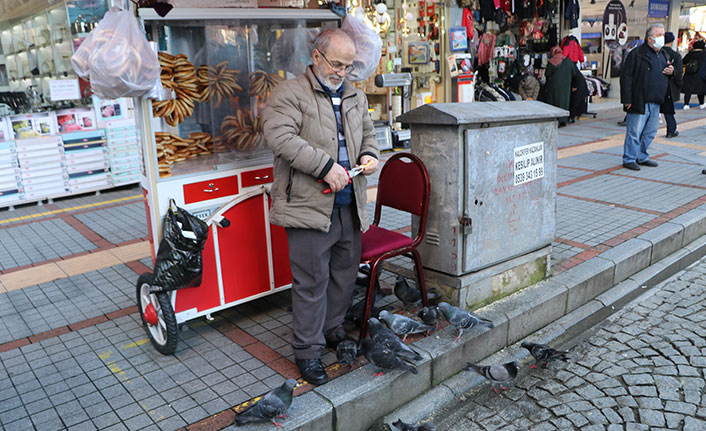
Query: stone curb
{"type": "Point", "coordinates": [560, 308]}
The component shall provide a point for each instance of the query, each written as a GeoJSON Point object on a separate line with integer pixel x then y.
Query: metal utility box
{"type": "Point", "coordinates": [493, 181]}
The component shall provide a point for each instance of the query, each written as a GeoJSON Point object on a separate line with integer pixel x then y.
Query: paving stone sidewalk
{"type": "Point", "coordinates": [642, 369]}
{"type": "Point", "coordinates": [80, 359]}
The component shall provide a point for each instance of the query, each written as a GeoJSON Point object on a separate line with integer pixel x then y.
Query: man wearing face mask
{"type": "Point", "coordinates": [318, 127]}
{"type": "Point", "coordinates": [644, 84]}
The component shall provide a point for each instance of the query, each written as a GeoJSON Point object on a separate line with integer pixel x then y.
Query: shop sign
{"type": "Point", "coordinates": [658, 9]}
{"type": "Point", "coordinates": [529, 163]}
{"type": "Point", "coordinates": [615, 24]}
{"type": "Point", "coordinates": [64, 89]}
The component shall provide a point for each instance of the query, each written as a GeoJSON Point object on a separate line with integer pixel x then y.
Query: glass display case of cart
{"type": "Point", "coordinates": [220, 71]}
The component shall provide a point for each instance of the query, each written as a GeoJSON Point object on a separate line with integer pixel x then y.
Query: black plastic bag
{"type": "Point", "coordinates": [179, 263]}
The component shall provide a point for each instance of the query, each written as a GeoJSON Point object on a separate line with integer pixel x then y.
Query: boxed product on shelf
{"type": "Point", "coordinates": [26, 126]}
{"type": "Point", "coordinates": [124, 151]}
{"type": "Point", "coordinates": [5, 134]}
{"type": "Point", "coordinates": [42, 167]}
{"type": "Point", "coordinates": [75, 120]}
{"type": "Point", "coordinates": [9, 174]}
{"type": "Point", "coordinates": [109, 110]}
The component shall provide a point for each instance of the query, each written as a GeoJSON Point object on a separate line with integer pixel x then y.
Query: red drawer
{"type": "Point", "coordinates": [256, 177]}
{"type": "Point", "coordinates": [211, 189]}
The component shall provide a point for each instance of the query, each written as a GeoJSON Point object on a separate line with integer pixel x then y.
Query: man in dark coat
{"type": "Point", "coordinates": [675, 83]}
{"type": "Point", "coordinates": [644, 84]}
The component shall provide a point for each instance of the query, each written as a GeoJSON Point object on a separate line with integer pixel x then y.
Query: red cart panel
{"type": "Point", "coordinates": [256, 177]}
{"type": "Point", "coordinates": [243, 249]}
{"type": "Point", "coordinates": [210, 189]}
{"type": "Point", "coordinates": [207, 294]}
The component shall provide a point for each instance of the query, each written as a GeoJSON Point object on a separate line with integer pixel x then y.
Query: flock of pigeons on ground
{"type": "Point", "coordinates": [384, 348]}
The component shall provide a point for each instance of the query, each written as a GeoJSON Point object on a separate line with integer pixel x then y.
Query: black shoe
{"type": "Point", "coordinates": [672, 134]}
{"type": "Point", "coordinates": [622, 123]}
{"type": "Point", "coordinates": [649, 163]}
{"type": "Point", "coordinates": [571, 121]}
{"type": "Point", "coordinates": [333, 337]}
{"type": "Point", "coordinates": [632, 166]}
{"type": "Point", "coordinates": [312, 371]}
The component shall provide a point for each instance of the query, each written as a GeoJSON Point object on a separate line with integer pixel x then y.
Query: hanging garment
{"type": "Point", "coordinates": [467, 22]}
{"type": "Point", "coordinates": [572, 11]}
{"type": "Point", "coordinates": [572, 49]}
{"type": "Point", "coordinates": [485, 50]}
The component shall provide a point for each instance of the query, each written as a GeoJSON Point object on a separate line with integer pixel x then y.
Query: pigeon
{"type": "Point", "coordinates": [462, 319]}
{"type": "Point", "coordinates": [402, 325]}
{"type": "Point", "coordinates": [346, 351]}
{"type": "Point", "coordinates": [383, 335]}
{"type": "Point", "coordinates": [496, 374]}
{"type": "Point", "coordinates": [404, 293]}
{"type": "Point", "coordinates": [273, 404]}
{"type": "Point", "coordinates": [429, 315]}
{"type": "Point", "coordinates": [426, 426]}
{"type": "Point", "coordinates": [384, 358]}
{"type": "Point", "coordinates": [356, 313]}
{"type": "Point", "coordinates": [545, 354]}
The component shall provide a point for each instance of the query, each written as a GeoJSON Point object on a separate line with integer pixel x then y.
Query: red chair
{"type": "Point", "coordinates": [403, 185]}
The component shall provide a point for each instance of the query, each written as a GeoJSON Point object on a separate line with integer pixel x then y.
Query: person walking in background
{"type": "Point", "coordinates": [693, 84]}
{"type": "Point", "coordinates": [318, 127]}
{"type": "Point", "coordinates": [644, 83]}
{"type": "Point", "coordinates": [560, 74]}
{"type": "Point", "coordinates": [675, 83]}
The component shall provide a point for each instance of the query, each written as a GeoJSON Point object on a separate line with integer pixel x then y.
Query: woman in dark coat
{"type": "Point", "coordinates": [560, 73]}
{"type": "Point", "coordinates": [693, 83]}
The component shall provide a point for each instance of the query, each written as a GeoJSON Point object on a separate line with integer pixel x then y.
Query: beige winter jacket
{"type": "Point", "coordinates": [300, 128]}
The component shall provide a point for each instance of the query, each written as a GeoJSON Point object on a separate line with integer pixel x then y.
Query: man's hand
{"type": "Point", "coordinates": [628, 105]}
{"type": "Point", "coordinates": [337, 178]}
{"type": "Point", "coordinates": [374, 164]}
{"type": "Point", "coordinates": [669, 70]}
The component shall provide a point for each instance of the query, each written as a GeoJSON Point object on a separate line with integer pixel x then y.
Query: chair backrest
{"type": "Point", "coordinates": [404, 185]}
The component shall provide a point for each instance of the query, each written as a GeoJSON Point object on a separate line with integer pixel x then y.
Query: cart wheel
{"type": "Point", "coordinates": [157, 316]}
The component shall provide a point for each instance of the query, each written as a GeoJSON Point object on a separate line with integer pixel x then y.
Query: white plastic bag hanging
{"type": "Point", "coordinates": [368, 47]}
{"type": "Point", "coordinates": [116, 58]}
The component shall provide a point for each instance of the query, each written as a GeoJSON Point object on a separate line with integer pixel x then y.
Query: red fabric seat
{"type": "Point", "coordinates": [377, 241]}
{"type": "Point", "coordinates": [403, 185]}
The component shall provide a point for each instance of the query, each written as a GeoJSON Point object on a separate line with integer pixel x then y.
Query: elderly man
{"type": "Point", "coordinates": [644, 83]}
{"type": "Point", "coordinates": [318, 127]}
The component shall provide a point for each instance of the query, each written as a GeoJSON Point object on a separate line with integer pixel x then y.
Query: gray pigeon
{"type": "Point", "coordinates": [346, 351]}
{"type": "Point", "coordinates": [462, 319]}
{"type": "Point", "coordinates": [426, 426]}
{"type": "Point", "coordinates": [356, 312]}
{"type": "Point", "coordinates": [496, 374]}
{"type": "Point", "coordinates": [383, 335]}
{"type": "Point", "coordinates": [404, 293]}
{"type": "Point", "coordinates": [545, 354]}
{"type": "Point", "coordinates": [384, 358]}
{"type": "Point", "coordinates": [403, 325]}
{"type": "Point", "coordinates": [273, 405]}
{"type": "Point", "coordinates": [429, 315]}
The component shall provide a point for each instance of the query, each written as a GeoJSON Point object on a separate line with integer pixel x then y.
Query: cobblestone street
{"type": "Point", "coordinates": [641, 369]}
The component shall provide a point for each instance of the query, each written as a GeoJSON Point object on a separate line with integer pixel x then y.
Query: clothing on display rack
{"type": "Point", "coordinates": [486, 48]}
{"type": "Point", "coordinates": [572, 12]}
{"type": "Point", "coordinates": [572, 49]}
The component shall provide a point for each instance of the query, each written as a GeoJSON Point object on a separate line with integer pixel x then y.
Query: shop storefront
{"type": "Point", "coordinates": [56, 139]}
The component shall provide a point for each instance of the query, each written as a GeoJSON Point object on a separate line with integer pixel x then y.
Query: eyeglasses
{"type": "Point", "coordinates": [348, 68]}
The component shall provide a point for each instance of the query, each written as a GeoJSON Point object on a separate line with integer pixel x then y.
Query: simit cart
{"type": "Point", "coordinates": [204, 149]}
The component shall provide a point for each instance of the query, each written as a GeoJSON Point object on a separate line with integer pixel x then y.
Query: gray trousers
{"type": "Point", "coordinates": [324, 267]}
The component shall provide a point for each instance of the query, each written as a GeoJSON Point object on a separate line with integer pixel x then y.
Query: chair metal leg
{"type": "Point", "coordinates": [369, 299]}
{"type": "Point", "coordinates": [420, 277]}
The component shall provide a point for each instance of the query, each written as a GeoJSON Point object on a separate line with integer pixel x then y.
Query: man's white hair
{"type": "Point", "coordinates": [323, 40]}
{"type": "Point", "coordinates": [651, 30]}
